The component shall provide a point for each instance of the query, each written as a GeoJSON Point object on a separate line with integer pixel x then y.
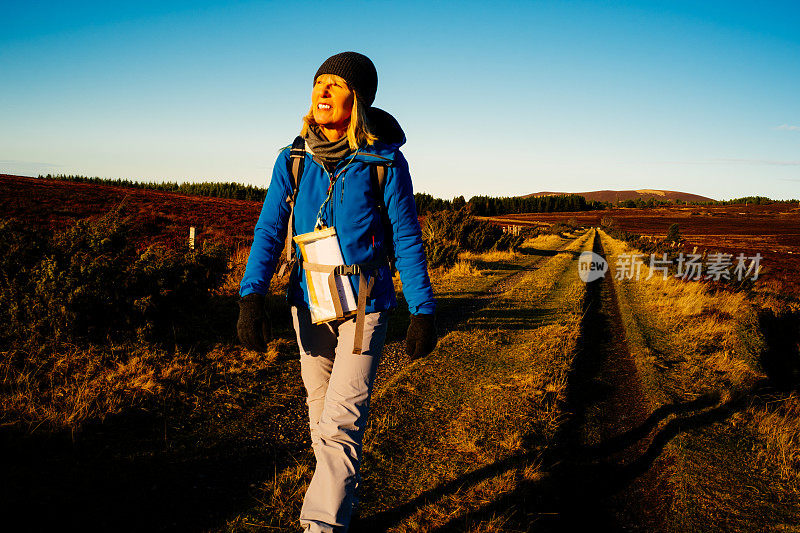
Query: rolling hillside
{"type": "Point", "coordinates": [644, 194]}
{"type": "Point", "coordinates": [163, 216]}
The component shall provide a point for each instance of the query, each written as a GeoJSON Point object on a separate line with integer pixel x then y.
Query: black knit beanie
{"type": "Point", "coordinates": [357, 70]}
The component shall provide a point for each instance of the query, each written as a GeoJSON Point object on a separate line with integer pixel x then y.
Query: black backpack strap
{"type": "Point", "coordinates": [378, 176]}
{"type": "Point", "coordinates": [294, 166]}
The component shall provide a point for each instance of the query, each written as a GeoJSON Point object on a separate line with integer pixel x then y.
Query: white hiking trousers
{"type": "Point", "coordinates": [338, 384]}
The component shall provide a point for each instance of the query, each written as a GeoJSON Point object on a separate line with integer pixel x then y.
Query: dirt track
{"type": "Point", "coordinates": [599, 445]}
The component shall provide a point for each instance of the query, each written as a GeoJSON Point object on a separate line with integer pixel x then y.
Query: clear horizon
{"type": "Point", "coordinates": [502, 100]}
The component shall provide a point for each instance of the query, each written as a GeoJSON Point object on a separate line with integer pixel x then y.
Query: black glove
{"type": "Point", "coordinates": [254, 327]}
{"type": "Point", "coordinates": [421, 336]}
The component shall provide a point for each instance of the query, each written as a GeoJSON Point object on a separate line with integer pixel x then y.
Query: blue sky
{"type": "Point", "coordinates": [501, 99]}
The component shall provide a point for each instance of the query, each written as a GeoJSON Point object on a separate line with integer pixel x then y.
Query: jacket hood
{"type": "Point", "coordinates": [386, 128]}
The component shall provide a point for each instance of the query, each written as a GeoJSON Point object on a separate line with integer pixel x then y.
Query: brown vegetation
{"type": "Point", "coordinates": [162, 217]}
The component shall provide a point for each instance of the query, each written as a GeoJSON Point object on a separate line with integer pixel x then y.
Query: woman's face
{"type": "Point", "coordinates": [332, 102]}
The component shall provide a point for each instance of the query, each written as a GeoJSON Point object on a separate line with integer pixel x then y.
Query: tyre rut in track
{"type": "Point", "coordinates": [600, 478]}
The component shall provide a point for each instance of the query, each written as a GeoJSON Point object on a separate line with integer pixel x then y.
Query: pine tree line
{"type": "Point", "coordinates": [480, 205]}
{"type": "Point", "coordinates": [754, 200]}
{"type": "Point", "coordinates": [491, 206]}
{"type": "Point", "coordinates": [234, 191]}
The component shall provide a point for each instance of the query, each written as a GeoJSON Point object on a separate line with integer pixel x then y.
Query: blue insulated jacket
{"type": "Point", "coordinates": [353, 211]}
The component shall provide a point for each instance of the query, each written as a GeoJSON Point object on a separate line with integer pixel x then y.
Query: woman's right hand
{"type": "Point", "coordinates": [254, 328]}
{"type": "Point", "coordinates": [421, 336]}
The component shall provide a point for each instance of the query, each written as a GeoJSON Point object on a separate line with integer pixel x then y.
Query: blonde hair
{"type": "Point", "coordinates": [358, 131]}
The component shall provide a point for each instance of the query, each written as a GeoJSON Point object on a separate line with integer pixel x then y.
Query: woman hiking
{"type": "Point", "coordinates": [353, 182]}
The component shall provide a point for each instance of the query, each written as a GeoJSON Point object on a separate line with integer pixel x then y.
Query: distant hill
{"type": "Point", "coordinates": [644, 194]}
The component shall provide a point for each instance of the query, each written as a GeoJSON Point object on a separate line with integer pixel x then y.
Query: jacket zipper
{"type": "Point", "coordinates": [331, 205]}
{"type": "Point", "coordinates": [330, 184]}
{"type": "Point", "coordinates": [341, 186]}
{"type": "Point", "coordinates": [333, 183]}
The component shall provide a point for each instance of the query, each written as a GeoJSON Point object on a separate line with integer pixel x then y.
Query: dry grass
{"type": "Point", "coordinates": [462, 269]}
{"type": "Point", "coordinates": [279, 503]}
{"type": "Point", "coordinates": [81, 384]}
{"type": "Point", "coordinates": [77, 385]}
{"type": "Point", "coordinates": [488, 257]}
{"type": "Point", "coordinates": [710, 333]}
{"type": "Point", "coordinates": [433, 516]}
{"type": "Point", "coordinates": [544, 242]}
{"type": "Point", "coordinates": [66, 385]}
{"type": "Point", "coordinates": [468, 264]}
{"type": "Point", "coordinates": [778, 424]}
{"type": "Point", "coordinates": [236, 267]}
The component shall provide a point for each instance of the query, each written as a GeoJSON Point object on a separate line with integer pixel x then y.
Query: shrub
{"type": "Point", "coordinates": [445, 225]}
{"type": "Point", "coordinates": [90, 283]}
{"type": "Point", "coordinates": [440, 253]}
{"type": "Point", "coordinates": [608, 222]}
{"type": "Point", "coordinates": [673, 234]}
{"type": "Point", "coordinates": [478, 236]}
{"type": "Point", "coordinates": [507, 242]}
{"type": "Point", "coordinates": [445, 233]}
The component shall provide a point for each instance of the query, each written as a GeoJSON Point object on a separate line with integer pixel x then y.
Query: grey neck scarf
{"type": "Point", "coordinates": [329, 152]}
